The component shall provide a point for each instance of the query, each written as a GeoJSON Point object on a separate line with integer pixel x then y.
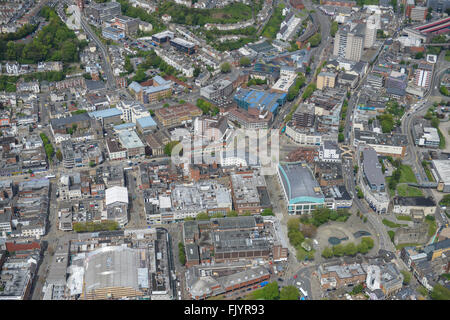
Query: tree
{"type": "Point", "coordinates": [309, 230]}
{"type": "Point", "coordinates": [244, 61]}
{"type": "Point", "coordinates": [334, 28]}
{"type": "Point", "coordinates": [271, 291]}
{"type": "Point", "coordinates": [169, 147]}
{"type": "Point", "coordinates": [338, 250]}
{"type": "Point", "coordinates": [315, 40]}
{"type": "Point", "coordinates": [202, 216]}
{"type": "Point", "coordinates": [327, 253]}
{"type": "Point", "coordinates": [368, 241]}
{"type": "Point", "coordinates": [232, 213]}
{"type": "Point", "coordinates": [406, 277]}
{"type": "Point", "coordinates": [289, 293]}
{"type": "Point", "coordinates": [357, 289]}
{"type": "Point", "coordinates": [350, 249]}
{"type": "Point", "coordinates": [59, 155]}
{"type": "Point", "coordinates": [293, 224]}
{"type": "Point", "coordinates": [362, 248]}
{"type": "Point", "coordinates": [225, 67]}
{"type": "Point", "coordinates": [181, 254]}
{"type": "Point", "coordinates": [440, 292]}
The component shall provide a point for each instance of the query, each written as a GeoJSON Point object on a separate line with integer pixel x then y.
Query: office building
{"type": "Point", "coordinates": [372, 170]}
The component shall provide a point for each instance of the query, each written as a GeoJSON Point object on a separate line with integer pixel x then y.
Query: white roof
{"type": "Point", "coordinates": [116, 194]}
{"type": "Point", "coordinates": [164, 202]}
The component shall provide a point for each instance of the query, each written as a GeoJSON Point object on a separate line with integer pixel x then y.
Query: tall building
{"type": "Point", "coordinates": [372, 25]}
{"type": "Point", "coordinates": [419, 14]}
{"type": "Point", "coordinates": [349, 42]}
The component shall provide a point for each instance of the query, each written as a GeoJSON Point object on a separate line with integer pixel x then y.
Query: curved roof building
{"type": "Point", "coordinates": [301, 190]}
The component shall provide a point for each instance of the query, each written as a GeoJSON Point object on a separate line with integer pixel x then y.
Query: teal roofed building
{"type": "Point", "coordinates": [301, 190]}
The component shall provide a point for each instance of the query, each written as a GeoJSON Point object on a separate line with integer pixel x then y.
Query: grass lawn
{"type": "Point", "coordinates": [404, 218]}
{"type": "Point", "coordinates": [428, 173]}
{"type": "Point", "coordinates": [407, 174]}
{"type": "Point", "coordinates": [391, 224]}
{"type": "Point", "coordinates": [432, 227]}
{"type": "Point", "coordinates": [391, 235]}
{"type": "Point", "coordinates": [404, 190]}
{"type": "Point", "coordinates": [401, 246]}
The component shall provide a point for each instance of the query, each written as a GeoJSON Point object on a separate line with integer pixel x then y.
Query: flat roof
{"type": "Point", "coordinates": [106, 113]}
{"type": "Point", "coordinates": [130, 140]}
{"type": "Point", "coordinates": [146, 122]}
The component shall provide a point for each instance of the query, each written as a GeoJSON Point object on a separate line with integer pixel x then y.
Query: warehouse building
{"type": "Point", "coordinates": [183, 45]}
{"type": "Point", "coordinates": [441, 173]}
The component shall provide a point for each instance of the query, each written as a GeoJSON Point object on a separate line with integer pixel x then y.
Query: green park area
{"type": "Point", "coordinates": [398, 182]}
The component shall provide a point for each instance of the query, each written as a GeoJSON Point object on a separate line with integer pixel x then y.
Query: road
{"type": "Point", "coordinates": [110, 82]}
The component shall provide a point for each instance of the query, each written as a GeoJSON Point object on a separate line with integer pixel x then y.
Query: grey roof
{"type": "Point", "coordinates": [299, 181]}
{"type": "Point", "coordinates": [112, 266]}
{"type": "Point", "coordinates": [414, 201]}
{"type": "Point", "coordinates": [372, 167]}
{"type": "Point", "coordinates": [69, 120]}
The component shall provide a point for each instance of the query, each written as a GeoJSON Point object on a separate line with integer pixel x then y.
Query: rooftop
{"type": "Point", "coordinates": [299, 183]}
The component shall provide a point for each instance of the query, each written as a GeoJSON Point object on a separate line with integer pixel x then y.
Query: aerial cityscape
{"type": "Point", "coordinates": [225, 150]}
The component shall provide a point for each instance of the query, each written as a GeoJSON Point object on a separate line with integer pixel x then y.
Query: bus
{"type": "Point", "coordinates": [305, 294]}
{"type": "Point", "coordinates": [128, 168]}
{"type": "Point", "coordinates": [50, 176]}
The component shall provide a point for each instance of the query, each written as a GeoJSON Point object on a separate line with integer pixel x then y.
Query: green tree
{"type": "Point", "coordinates": [327, 252]}
{"type": "Point", "coordinates": [350, 249]}
{"type": "Point", "coordinates": [232, 213]}
{"type": "Point", "coordinates": [338, 250]}
{"type": "Point", "coordinates": [202, 216]}
{"type": "Point", "coordinates": [225, 67]}
{"type": "Point", "coordinates": [334, 28]}
{"type": "Point", "coordinates": [59, 155]}
{"type": "Point", "coordinates": [271, 291]}
{"type": "Point", "coordinates": [244, 61]}
{"type": "Point", "coordinates": [289, 293]}
{"type": "Point", "coordinates": [440, 292]}
{"type": "Point", "coordinates": [406, 277]}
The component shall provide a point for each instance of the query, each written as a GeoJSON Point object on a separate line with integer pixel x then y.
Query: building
{"type": "Point", "coordinates": [372, 170]}
{"type": "Point", "coordinates": [128, 25]}
{"type": "Point", "coordinates": [116, 202]}
{"type": "Point", "coordinates": [129, 266]}
{"type": "Point", "coordinates": [406, 205]}
{"type": "Point", "coordinates": [441, 173]}
{"type": "Point", "coordinates": [423, 75]}
{"type": "Point", "coordinates": [418, 233]}
{"type": "Point", "coordinates": [113, 33]}
{"type": "Point", "coordinates": [115, 151]}
{"type": "Point", "coordinates": [177, 115]}
{"type": "Point", "coordinates": [334, 275]}
{"type": "Point", "coordinates": [286, 80]}
{"type": "Point", "coordinates": [107, 116]}
{"type": "Point", "coordinates": [249, 192]}
{"type": "Point", "coordinates": [183, 45]}
{"type": "Point", "coordinates": [232, 246]}
{"type": "Point", "coordinates": [302, 193]}
{"type": "Point", "coordinates": [385, 144]}
{"type": "Point", "coordinates": [163, 37]}
{"type": "Point", "coordinates": [145, 124]}
{"type": "Point", "coordinates": [373, 23]}
{"type": "Point", "coordinates": [261, 101]}
{"type": "Point", "coordinates": [348, 43]}
{"type": "Point", "coordinates": [326, 80]}
{"type": "Point", "coordinates": [396, 83]}
{"type": "Point", "coordinates": [131, 142]}
{"type": "Point", "coordinates": [418, 14]}
{"type": "Point", "coordinates": [425, 136]}
{"type": "Point", "coordinates": [100, 12]}
{"type": "Point", "coordinates": [217, 90]}
{"type": "Point", "coordinates": [329, 151]}
{"type": "Point", "coordinates": [158, 90]}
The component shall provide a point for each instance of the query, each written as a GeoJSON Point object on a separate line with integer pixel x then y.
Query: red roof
{"type": "Point", "coordinates": [13, 247]}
